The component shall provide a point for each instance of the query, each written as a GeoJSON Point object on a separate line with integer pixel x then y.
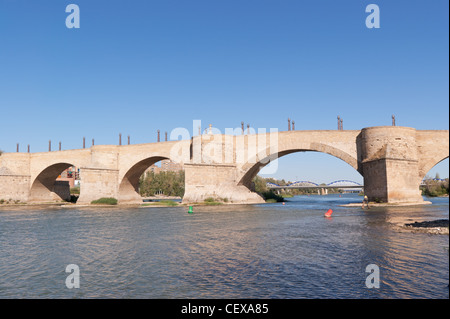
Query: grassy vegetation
{"type": "Point", "coordinates": [10, 201]}
{"type": "Point", "coordinates": [105, 201]}
{"type": "Point", "coordinates": [211, 201]}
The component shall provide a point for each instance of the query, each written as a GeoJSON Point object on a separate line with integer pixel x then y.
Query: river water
{"type": "Point", "coordinates": [245, 251]}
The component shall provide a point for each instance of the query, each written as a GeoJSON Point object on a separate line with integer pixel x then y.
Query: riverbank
{"type": "Point", "coordinates": [156, 203]}
{"type": "Point", "coordinates": [34, 205]}
{"type": "Point", "coordinates": [176, 201]}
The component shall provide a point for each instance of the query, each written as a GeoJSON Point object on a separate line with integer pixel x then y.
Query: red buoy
{"type": "Point", "coordinates": [328, 213]}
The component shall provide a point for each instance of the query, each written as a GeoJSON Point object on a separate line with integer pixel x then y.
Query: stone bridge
{"type": "Point", "coordinates": [393, 161]}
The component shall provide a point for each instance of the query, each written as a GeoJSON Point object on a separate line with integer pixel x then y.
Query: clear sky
{"type": "Point", "coordinates": [134, 67]}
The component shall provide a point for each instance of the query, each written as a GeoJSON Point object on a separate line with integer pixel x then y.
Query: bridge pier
{"type": "Point", "coordinates": [389, 163]}
{"type": "Point", "coordinates": [14, 187]}
{"type": "Point", "coordinates": [97, 183]}
{"type": "Point", "coordinates": [217, 181]}
{"type": "Point", "coordinates": [15, 177]}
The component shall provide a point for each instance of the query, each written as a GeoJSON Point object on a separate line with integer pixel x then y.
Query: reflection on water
{"type": "Point", "coordinates": [248, 251]}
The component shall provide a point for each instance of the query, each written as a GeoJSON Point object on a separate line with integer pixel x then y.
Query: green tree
{"type": "Point", "coordinates": [435, 188]}
{"type": "Point", "coordinates": [168, 183]}
{"type": "Point", "coordinates": [260, 184]}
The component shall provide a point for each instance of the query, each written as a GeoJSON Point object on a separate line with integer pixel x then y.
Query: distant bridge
{"type": "Point", "coordinates": [343, 183]}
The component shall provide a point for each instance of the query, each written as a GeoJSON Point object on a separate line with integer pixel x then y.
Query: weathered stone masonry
{"type": "Point", "coordinates": [393, 160]}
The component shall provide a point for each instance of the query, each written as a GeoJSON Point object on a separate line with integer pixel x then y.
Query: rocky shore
{"type": "Point", "coordinates": [439, 227]}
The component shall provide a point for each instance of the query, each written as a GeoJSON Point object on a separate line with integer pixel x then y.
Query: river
{"type": "Point", "coordinates": [228, 251]}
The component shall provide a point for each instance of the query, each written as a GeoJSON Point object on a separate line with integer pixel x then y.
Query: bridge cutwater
{"type": "Point", "coordinates": [393, 161]}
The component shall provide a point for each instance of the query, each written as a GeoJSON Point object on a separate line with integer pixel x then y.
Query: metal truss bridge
{"type": "Point", "coordinates": [308, 184]}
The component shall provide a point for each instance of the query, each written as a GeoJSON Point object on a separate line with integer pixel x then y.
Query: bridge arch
{"type": "Point", "coordinates": [43, 186]}
{"type": "Point", "coordinates": [253, 167]}
{"type": "Point", "coordinates": [129, 183]}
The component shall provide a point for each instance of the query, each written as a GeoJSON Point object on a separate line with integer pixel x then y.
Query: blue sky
{"type": "Point", "coordinates": [134, 67]}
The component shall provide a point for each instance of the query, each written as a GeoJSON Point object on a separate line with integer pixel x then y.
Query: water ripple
{"type": "Point", "coordinates": [260, 251]}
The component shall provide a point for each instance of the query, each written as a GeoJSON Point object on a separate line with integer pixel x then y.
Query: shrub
{"type": "Point", "coordinates": [105, 201]}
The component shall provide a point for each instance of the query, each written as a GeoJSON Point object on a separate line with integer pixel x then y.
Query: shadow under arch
{"type": "Point", "coordinates": [45, 188]}
{"type": "Point", "coordinates": [129, 185]}
{"type": "Point", "coordinates": [251, 169]}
